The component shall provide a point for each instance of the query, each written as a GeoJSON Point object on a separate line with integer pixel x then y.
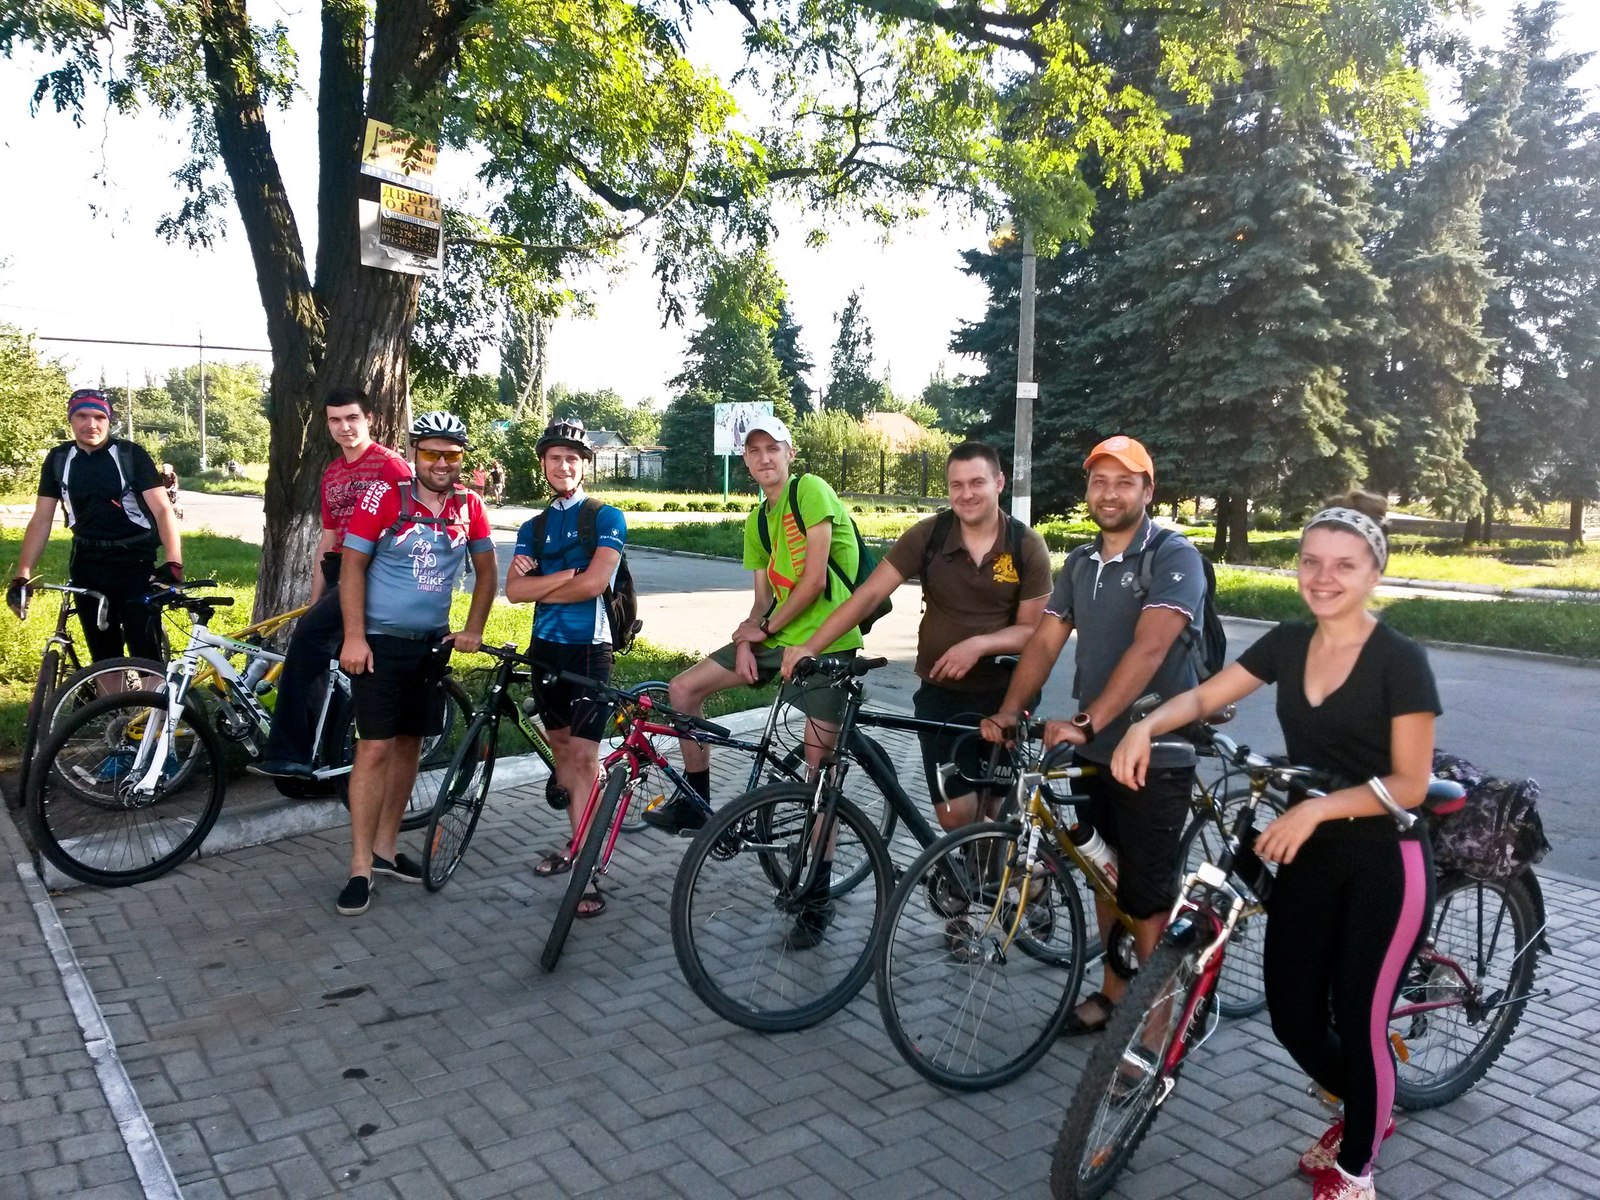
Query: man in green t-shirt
{"type": "Point", "coordinates": [793, 596]}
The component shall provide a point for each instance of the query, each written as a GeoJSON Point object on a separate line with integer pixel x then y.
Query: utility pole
{"type": "Point", "coordinates": [201, 343]}
{"type": "Point", "coordinates": [1027, 391]}
{"type": "Point", "coordinates": [127, 387]}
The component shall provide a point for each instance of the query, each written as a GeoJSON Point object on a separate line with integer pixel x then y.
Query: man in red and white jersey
{"type": "Point", "coordinates": [361, 463]}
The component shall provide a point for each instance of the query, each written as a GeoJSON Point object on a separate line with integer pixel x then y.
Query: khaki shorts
{"type": "Point", "coordinates": [814, 697]}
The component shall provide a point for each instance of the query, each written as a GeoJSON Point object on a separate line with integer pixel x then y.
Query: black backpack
{"type": "Point", "coordinates": [1209, 651]}
{"type": "Point", "coordinates": [941, 534]}
{"type": "Point", "coordinates": [621, 598]}
{"type": "Point", "coordinates": [866, 561]}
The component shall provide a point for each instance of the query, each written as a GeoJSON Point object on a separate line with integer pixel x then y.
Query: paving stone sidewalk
{"type": "Point", "coordinates": [419, 1051]}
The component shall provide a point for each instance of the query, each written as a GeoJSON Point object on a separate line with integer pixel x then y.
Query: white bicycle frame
{"type": "Point", "coordinates": [213, 648]}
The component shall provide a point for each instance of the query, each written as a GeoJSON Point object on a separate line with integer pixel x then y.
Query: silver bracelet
{"type": "Point", "coordinates": [1401, 817]}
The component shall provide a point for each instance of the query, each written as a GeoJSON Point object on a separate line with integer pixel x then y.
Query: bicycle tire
{"type": "Point", "coordinates": [1241, 988]}
{"type": "Point", "coordinates": [75, 691]}
{"type": "Point", "coordinates": [463, 792]}
{"type": "Point", "coordinates": [87, 830]}
{"type": "Point", "coordinates": [43, 693]}
{"type": "Point", "coordinates": [1171, 975]}
{"type": "Point", "coordinates": [584, 865]}
{"type": "Point", "coordinates": [962, 1007]}
{"type": "Point", "coordinates": [1447, 1050]}
{"type": "Point", "coordinates": [733, 927]}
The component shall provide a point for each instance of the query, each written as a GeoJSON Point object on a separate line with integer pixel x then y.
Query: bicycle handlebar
{"type": "Point", "coordinates": [836, 667]}
{"type": "Point", "coordinates": [102, 617]}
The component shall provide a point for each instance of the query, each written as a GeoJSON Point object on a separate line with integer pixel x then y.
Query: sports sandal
{"type": "Point", "coordinates": [591, 904]}
{"type": "Point", "coordinates": [1076, 1026]}
{"type": "Point", "coordinates": [554, 863]}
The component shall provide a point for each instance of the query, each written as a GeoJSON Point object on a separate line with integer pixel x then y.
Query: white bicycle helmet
{"type": "Point", "coordinates": [439, 425]}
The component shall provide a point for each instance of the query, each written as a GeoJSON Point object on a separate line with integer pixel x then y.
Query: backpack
{"type": "Point", "coordinates": [621, 598]}
{"type": "Point", "coordinates": [131, 506]}
{"type": "Point", "coordinates": [866, 561]}
{"type": "Point", "coordinates": [941, 534]}
{"type": "Point", "coordinates": [1209, 651]}
{"type": "Point", "coordinates": [1498, 833]}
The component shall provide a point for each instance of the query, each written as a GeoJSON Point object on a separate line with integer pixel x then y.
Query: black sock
{"type": "Point", "coordinates": [700, 781]}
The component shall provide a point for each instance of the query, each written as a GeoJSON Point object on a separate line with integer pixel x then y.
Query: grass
{"type": "Point", "coordinates": [253, 482]}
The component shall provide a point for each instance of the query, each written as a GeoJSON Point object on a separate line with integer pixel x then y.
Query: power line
{"type": "Point", "coordinates": [168, 345]}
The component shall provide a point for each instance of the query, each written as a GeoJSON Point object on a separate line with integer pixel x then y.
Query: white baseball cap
{"type": "Point", "coordinates": [772, 427]}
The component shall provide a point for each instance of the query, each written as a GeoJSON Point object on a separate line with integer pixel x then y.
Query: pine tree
{"type": "Point", "coordinates": [853, 388]}
{"type": "Point", "coordinates": [793, 361]}
{"type": "Point", "coordinates": [1537, 430]}
{"type": "Point", "coordinates": [1417, 395]}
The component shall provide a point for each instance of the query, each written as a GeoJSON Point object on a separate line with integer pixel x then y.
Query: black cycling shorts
{"type": "Point", "coordinates": [957, 743]}
{"type": "Point", "coordinates": [1144, 828]}
{"type": "Point", "coordinates": [567, 705]}
{"type": "Point", "coordinates": [403, 694]}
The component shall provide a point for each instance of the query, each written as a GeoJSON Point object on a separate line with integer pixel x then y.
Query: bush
{"type": "Point", "coordinates": [671, 506]}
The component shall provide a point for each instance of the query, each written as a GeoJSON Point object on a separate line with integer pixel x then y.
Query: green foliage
{"type": "Point", "coordinates": [33, 395]}
{"type": "Point", "coordinates": [236, 422]}
{"type": "Point", "coordinates": [638, 424]}
{"type": "Point", "coordinates": [686, 429]}
{"type": "Point", "coordinates": [853, 388]}
{"type": "Point", "coordinates": [793, 361]}
{"type": "Point", "coordinates": [837, 447]}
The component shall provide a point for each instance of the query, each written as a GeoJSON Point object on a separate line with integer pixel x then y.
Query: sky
{"type": "Point", "coordinates": [79, 256]}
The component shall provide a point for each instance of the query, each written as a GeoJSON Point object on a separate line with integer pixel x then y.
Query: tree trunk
{"type": "Point", "coordinates": [1239, 531]}
{"type": "Point", "coordinates": [1219, 540]}
{"type": "Point", "coordinates": [1488, 517]}
{"type": "Point", "coordinates": [1575, 523]}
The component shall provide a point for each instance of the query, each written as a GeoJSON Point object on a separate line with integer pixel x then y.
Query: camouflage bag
{"type": "Point", "coordinates": [1498, 833]}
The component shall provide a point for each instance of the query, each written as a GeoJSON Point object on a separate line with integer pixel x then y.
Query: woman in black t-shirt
{"type": "Point", "coordinates": [1352, 894]}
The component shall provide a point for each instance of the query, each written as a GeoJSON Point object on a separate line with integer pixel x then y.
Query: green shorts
{"type": "Point", "coordinates": [814, 697]}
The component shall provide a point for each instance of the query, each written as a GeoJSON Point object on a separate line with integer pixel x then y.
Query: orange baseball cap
{"type": "Point", "coordinates": [1126, 451]}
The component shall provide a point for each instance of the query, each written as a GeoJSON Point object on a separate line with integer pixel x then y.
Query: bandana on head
{"type": "Point", "coordinates": [1355, 521]}
{"type": "Point", "coordinates": [88, 398]}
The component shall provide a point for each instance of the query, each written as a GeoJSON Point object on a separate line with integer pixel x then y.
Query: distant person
{"type": "Point", "coordinates": [480, 480]}
{"type": "Point", "coordinates": [497, 481]}
{"type": "Point", "coordinates": [985, 579]}
{"type": "Point", "coordinates": [360, 463]}
{"type": "Point", "coordinates": [116, 507]}
{"type": "Point", "coordinates": [234, 468]}
{"type": "Point", "coordinates": [403, 552]}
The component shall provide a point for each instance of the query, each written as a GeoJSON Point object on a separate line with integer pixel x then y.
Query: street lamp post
{"type": "Point", "coordinates": [1027, 390]}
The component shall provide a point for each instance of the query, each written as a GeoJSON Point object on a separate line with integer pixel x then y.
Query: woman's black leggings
{"type": "Point", "coordinates": [1344, 920]}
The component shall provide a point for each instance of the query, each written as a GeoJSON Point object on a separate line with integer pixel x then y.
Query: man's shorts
{"type": "Point", "coordinates": [814, 697]}
{"type": "Point", "coordinates": [960, 742]}
{"type": "Point", "coordinates": [568, 705]}
{"type": "Point", "coordinates": [1144, 828]}
{"type": "Point", "coordinates": [403, 694]}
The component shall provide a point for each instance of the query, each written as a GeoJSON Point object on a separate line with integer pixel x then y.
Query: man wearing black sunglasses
{"type": "Point", "coordinates": [403, 553]}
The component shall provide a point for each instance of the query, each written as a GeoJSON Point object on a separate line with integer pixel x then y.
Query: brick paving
{"type": "Point", "coordinates": [419, 1051]}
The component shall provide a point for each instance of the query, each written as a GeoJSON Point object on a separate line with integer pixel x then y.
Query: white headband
{"type": "Point", "coordinates": [1357, 522]}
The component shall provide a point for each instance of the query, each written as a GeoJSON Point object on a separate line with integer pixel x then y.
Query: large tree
{"type": "Point", "coordinates": [1537, 411]}
{"type": "Point", "coordinates": [853, 386]}
{"type": "Point", "coordinates": [793, 360]}
{"type": "Point", "coordinates": [589, 120]}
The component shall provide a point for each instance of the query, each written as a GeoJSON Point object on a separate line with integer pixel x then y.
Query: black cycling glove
{"type": "Point", "coordinates": [168, 573]}
{"type": "Point", "coordinates": [14, 595]}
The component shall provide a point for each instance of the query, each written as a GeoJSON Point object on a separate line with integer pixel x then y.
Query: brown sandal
{"type": "Point", "coordinates": [591, 904]}
{"type": "Point", "coordinates": [1076, 1026]}
{"type": "Point", "coordinates": [554, 863]}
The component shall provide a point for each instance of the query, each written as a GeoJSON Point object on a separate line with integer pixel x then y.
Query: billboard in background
{"type": "Point", "coordinates": [730, 422]}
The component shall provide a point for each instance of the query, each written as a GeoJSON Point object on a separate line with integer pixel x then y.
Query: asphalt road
{"type": "Point", "coordinates": [1516, 716]}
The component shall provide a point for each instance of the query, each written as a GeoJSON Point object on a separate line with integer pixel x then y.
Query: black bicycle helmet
{"type": "Point", "coordinates": [439, 425]}
{"type": "Point", "coordinates": [565, 431]}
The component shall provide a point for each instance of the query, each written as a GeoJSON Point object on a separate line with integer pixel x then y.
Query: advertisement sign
{"type": "Point", "coordinates": [399, 243]}
{"type": "Point", "coordinates": [403, 204]}
{"type": "Point", "coordinates": [396, 156]}
{"type": "Point", "coordinates": [730, 422]}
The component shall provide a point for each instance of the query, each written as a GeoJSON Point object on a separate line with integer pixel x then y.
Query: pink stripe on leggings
{"type": "Point", "coordinates": [1406, 929]}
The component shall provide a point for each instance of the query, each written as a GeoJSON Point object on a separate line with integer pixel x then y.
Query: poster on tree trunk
{"type": "Point", "coordinates": [396, 156]}
{"type": "Point", "coordinates": [394, 240]}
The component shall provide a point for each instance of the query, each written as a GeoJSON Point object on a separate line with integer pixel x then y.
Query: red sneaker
{"type": "Point", "coordinates": [1325, 1150]}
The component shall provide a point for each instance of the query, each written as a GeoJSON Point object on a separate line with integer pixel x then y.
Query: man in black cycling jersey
{"type": "Point", "coordinates": [116, 507]}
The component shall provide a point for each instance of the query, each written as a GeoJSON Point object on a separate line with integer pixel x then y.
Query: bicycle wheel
{"type": "Point", "coordinates": [463, 791]}
{"type": "Point", "coordinates": [962, 1006]}
{"type": "Point", "coordinates": [105, 678]}
{"type": "Point", "coordinates": [87, 818]}
{"type": "Point", "coordinates": [737, 922]}
{"type": "Point", "coordinates": [584, 866]}
{"type": "Point", "coordinates": [1241, 989]}
{"type": "Point", "coordinates": [1131, 1072]}
{"type": "Point", "coordinates": [43, 695]}
{"type": "Point", "coordinates": [1477, 964]}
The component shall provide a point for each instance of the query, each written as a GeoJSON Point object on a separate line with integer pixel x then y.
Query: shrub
{"type": "Point", "coordinates": [671, 506]}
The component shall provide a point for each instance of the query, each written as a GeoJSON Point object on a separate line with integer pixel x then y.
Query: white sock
{"type": "Point", "coordinates": [1364, 1181]}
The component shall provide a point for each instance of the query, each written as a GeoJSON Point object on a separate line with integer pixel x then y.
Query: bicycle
{"type": "Point", "coordinates": [1170, 1010]}
{"type": "Point", "coordinates": [463, 789]}
{"type": "Point", "coordinates": [130, 785]}
{"type": "Point", "coordinates": [751, 873]}
{"type": "Point", "coordinates": [65, 683]}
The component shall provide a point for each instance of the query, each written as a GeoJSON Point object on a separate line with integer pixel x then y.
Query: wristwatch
{"type": "Point", "coordinates": [764, 623]}
{"type": "Point", "coordinates": [1084, 722]}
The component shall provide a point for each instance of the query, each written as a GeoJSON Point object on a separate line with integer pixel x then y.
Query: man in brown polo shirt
{"type": "Point", "coordinates": [985, 579]}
